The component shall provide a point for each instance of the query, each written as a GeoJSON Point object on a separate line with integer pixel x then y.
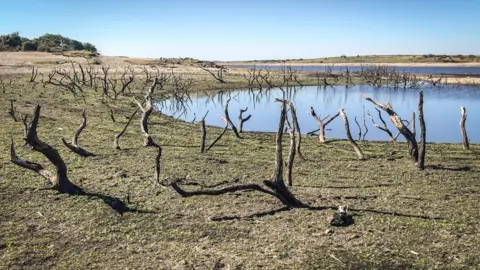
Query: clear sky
{"type": "Point", "coordinates": [253, 29]}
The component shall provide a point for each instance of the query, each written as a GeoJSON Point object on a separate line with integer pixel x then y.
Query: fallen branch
{"type": "Point", "coordinates": [219, 136]}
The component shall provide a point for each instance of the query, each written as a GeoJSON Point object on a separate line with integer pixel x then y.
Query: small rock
{"type": "Point", "coordinates": [328, 231]}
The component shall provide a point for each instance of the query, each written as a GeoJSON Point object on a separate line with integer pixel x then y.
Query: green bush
{"type": "Point", "coordinates": [29, 46]}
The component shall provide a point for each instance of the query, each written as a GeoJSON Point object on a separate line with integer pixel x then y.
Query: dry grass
{"type": "Point", "coordinates": [405, 218]}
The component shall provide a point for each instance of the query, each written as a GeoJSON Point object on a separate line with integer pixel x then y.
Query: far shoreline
{"type": "Point", "coordinates": [431, 64]}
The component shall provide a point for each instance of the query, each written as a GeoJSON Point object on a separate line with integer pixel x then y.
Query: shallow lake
{"type": "Point", "coordinates": [414, 70]}
{"type": "Point", "coordinates": [441, 109]}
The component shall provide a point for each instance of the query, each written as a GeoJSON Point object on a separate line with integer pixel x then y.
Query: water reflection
{"type": "Point", "coordinates": [441, 108]}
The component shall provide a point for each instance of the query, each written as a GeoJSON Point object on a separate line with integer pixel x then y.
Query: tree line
{"type": "Point", "coordinates": [44, 43]}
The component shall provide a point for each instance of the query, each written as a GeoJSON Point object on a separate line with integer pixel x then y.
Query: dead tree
{"type": "Point", "coordinates": [384, 128]}
{"type": "Point", "coordinates": [465, 143]}
{"type": "Point", "coordinates": [204, 133]}
{"type": "Point", "coordinates": [242, 120]}
{"type": "Point", "coordinates": [423, 133]}
{"type": "Point", "coordinates": [219, 76]}
{"type": "Point", "coordinates": [413, 125]}
{"type": "Point", "coordinates": [291, 155]}
{"type": "Point", "coordinates": [73, 146]}
{"type": "Point", "coordinates": [60, 179]}
{"type": "Point", "coordinates": [349, 136]}
{"type": "Point", "coordinates": [116, 142]}
{"type": "Point", "coordinates": [147, 139]}
{"type": "Point", "coordinates": [322, 123]}
{"type": "Point", "coordinates": [359, 129]}
{"type": "Point", "coordinates": [364, 123]}
{"type": "Point", "coordinates": [277, 185]}
{"type": "Point", "coordinates": [219, 136]}
{"type": "Point", "coordinates": [227, 117]}
{"type": "Point", "coordinates": [12, 111]}
{"type": "Point", "coordinates": [111, 112]}
{"type": "Point", "coordinates": [397, 121]}
{"type": "Point", "coordinates": [34, 74]}
{"type": "Point", "coordinates": [296, 126]}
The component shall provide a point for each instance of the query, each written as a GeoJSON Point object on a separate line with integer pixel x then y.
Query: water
{"type": "Point", "coordinates": [441, 109]}
{"type": "Point", "coordinates": [414, 70]}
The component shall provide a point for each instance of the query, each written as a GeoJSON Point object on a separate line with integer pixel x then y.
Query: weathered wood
{"type": "Point", "coordinates": [384, 128]}
{"type": "Point", "coordinates": [112, 116]}
{"type": "Point", "coordinates": [296, 126]}
{"type": "Point", "coordinates": [204, 133]}
{"type": "Point", "coordinates": [242, 120]}
{"type": "Point", "coordinates": [12, 111]}
{"type": "Point", "coordinates": [60, 180]}
{"type": "Point", "coordinates": [359, 129]}
{"type": "Point", "coordinates": [73, 146]}
{"type": "Point", "coordinates": [116, 140]}
{"type": "Point", "coordinates": [423, 133]}
{"type": "Point", "coordinates": [227, 117]}
{"type": "Point", "coordinates": [147, 139]}
{"type": "Point", "coordinates": [280, 191]}
{"type": "Point", "coordinates": [291, 155]}
{"type": "Point", "coordinates": [219, 136]}
{"type": "Point", "coordinates": [349, 136]}
{"type": "Point", "coordinates": [364, 124]}
{"type": "Point", "coordinates": [412, 123]}
{"type": "Point", "coordinates": [322, 124]}
{"type": "Point", "coordinates": [463, 119]}
{"type": "Point", "coordinates": [397, 121]}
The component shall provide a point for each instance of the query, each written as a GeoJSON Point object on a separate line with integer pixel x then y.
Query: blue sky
{"type": "Point", "coordinates": [253, 29]}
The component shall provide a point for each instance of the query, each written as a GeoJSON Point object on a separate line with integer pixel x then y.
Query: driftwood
{"type": "Point", "coordinates": [465, 142]}
{"type": "Point", "coordinates": [242, 120]}
{"type": "Point", "coordinates": [147, 139]}
{"type": "Point", "coordinates": [116, 140]}
{"type": "Point", "coordinates": [204, 133]}
{"type": "Point", "coordinates": [423, 133]}
{"type": "Point", "coordinates": [322, 123]}
{"type": "Point", "coordinates": [349, 136]}
{"type": "Point", "coordinates": [60, 179]}
{"type": "Point", "coordinates": [384, 128]}
{"type": "Point", "coordinates": [276, 184]}
{"type": "Point", "coordinates": [227, 117]}
{"type": "Point", "coordinates": [399, 124]}
{"type": "Point", "coordinates": [73, 146]}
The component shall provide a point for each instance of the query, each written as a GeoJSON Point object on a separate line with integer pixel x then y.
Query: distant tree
{"type": "Point", "coordinates": [89, 47]}
{"type": "Point", "coordinates": [29, 46]}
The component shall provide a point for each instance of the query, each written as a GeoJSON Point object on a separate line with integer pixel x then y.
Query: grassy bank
{"type": "Point", "coordinates": [404, 218]}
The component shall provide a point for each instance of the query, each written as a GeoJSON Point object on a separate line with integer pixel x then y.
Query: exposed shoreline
{"type": "Point", "coordinates": [431, 64]}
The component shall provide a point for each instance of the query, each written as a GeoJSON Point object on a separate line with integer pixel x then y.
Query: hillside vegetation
{"type": "Point", "coordinates": [45, 43]}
